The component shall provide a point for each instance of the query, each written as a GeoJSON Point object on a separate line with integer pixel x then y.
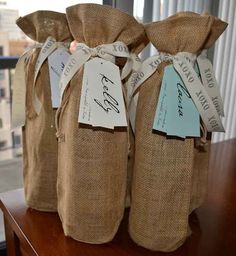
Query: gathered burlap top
{"type": "Point", "coordinates": [39, 140]}
{"type": "Point", "coordinates": [42, 24]}
{"type": "Point", "coordinates": [165, 166]}
{"type": "Point", "coordinates": [104, 25]}
{"type": "Point", "coordinates": [185, 32]}
{"type": "Point", "coordinates": [92, 168]}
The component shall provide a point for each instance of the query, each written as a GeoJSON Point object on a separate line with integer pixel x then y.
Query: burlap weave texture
{"type": "Point", "coordinates": [163, 189]}
{"type": "Point", "coordinates": [92, 169]}
{"type": "Point", "coordinates": [39, 140]}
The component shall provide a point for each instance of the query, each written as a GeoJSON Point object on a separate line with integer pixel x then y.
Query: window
{"type": "Point", "coordinates": [2, 92]}
{"type": "Point", "coordinates": [17, 140]}
{"type": "Point", "coordinates": [2, 75]}
{"type": "Point", "coordinates": [3, 144]}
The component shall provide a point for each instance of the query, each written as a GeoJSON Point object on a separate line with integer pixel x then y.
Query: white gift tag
{"type": "Point", "coordinates": [102, 91]}
{"type": "Point", "coordinates": [56, 64]}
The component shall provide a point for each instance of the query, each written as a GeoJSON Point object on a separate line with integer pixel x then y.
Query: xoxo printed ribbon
{"type": "Point", "coordinates": [202, 96]}
{"type": "Point", "coordinates": [106, 51]}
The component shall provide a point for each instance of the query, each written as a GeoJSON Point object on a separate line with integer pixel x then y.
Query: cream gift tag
{"type": "Point", "coordinates": [56, 64]}
{"type": "Point", "coordinates": [102, 78]}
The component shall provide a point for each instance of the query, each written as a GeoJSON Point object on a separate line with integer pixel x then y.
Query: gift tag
{"type": "Point", "coordinates": [176, 113]}
{"type": "Point", "coordinates": [183, 118]}
{"type": "Point", "coordinates": [56, 64]}
{"type": "Point", "coordinates": [102, 95]}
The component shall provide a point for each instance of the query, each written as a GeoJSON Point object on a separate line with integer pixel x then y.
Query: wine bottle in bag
{"type": "Point", "coordinates": [47, 28]}
{"type": "Point", "coordinates": [167, 181]}
{"type": "Point", "coordinates": [203, 145]}
{"type": "Point", "coordinates": [92, 168]}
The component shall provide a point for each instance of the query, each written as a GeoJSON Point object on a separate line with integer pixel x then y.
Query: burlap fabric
{"type": "Point", "coordinates": [164, 166]}
{"type": "Point", "coordinates": [92, 168]}
{"type": "Point", "coordinates": [39, 140]}
{"type": "Point", "coordinates": [201, 151]}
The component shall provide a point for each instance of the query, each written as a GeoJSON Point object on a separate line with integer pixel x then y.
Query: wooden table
{"type": "Point", "coordinates": [29, 232]}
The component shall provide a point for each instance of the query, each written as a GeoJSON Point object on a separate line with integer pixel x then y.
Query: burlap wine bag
{"type": "Point", "coordinates": [165, 166]}
{"type": "Point", "coordinates": [202, 149]}
{"type": "Point", "coordinates": [39, 133]}
{"type": "Point", "coordinates": [92, 167]}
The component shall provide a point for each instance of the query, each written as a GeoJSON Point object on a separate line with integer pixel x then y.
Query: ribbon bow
{"type": "Point", "coordinates": [106, 51]}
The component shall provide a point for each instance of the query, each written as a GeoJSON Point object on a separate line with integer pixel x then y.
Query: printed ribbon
{"type": "Point", "coordinates": [48, 48]}
{"type": "Point", "coordinates": [209, 81]}
{"type": "Point", "coordinates": [183, 63]}
{"type": "Point", "coordinates": [106, 51]}
{"type": "Point", "coordinates": [19, 89]}
{"type": "Point", "coordinates": [198, 93]}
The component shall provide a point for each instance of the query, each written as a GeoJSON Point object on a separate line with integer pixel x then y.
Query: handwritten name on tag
{"type": "Point", "coordinates": [176, 113]}
{"type": "Point", "coordinates": [56, 64]}
{"type": "Point", "coordinates": [102, 102]}
{"type": "Point", "coordinates": [183, 118]}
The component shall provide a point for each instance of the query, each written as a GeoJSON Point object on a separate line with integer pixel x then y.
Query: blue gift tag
{"type": "Point", "coordinates": [176, 113]}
